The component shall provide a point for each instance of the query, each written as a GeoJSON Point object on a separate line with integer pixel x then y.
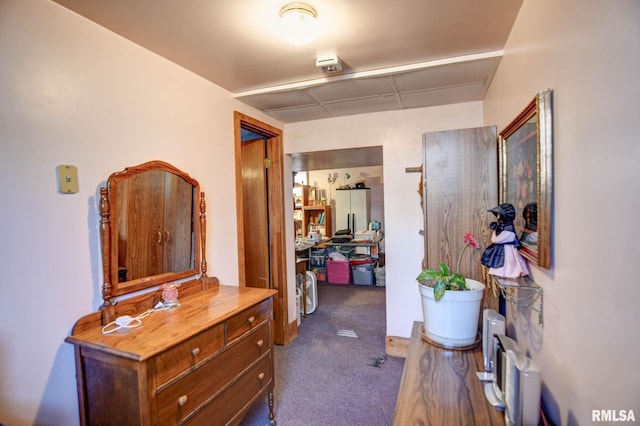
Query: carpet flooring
{"type": "Point", "coordinates": [336, 371]}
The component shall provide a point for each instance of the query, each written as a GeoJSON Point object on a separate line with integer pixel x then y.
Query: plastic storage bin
{"type": "Point", "coordinates": [362, 272]}
{"type": "Point", "coordinates": [338, 271]}
{"type": "Point", "coordinates": [317, 258]}
{"type": "Point", "coordinates": [321, 273]}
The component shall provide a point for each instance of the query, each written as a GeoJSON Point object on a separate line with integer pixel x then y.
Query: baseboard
{"type": "Point", "coordinates": [397, 346]}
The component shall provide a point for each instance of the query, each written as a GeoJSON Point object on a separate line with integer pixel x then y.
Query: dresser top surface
{"type": "Point", "coordinates": [440, 386]}
{"type": "Point", "coordinates": [164, 328]}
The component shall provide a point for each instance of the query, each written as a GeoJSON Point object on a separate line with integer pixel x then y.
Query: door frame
{"type": "Point", "coordinates": [276, 214]}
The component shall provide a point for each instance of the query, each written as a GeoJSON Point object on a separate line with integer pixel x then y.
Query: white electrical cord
{"type": "Point", "coordinates": [127, 321]}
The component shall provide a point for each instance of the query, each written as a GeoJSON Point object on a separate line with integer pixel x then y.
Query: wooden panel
{"type": "Point", "coordinates": [143, 229]}
{"type": "Point", "coordinates": [207, 380]}
{"type": "Point", "coordinates": [179, 358]}
{"type": "Point", "coordinates": [461, 184]}
{"type": "Point", "coordinates": [105, 378]}
{"type": "Point", "coordinates": [440, 387]}
{"type": "Point", "coordinates": [177, 233]}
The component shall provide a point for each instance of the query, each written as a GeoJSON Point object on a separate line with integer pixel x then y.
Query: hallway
{"type": "Point", "coordinates": [327, 375]}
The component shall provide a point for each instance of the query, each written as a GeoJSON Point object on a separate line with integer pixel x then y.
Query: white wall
{"type": "Point", "coordinates": [588, 52]}
{"type": "Point", "coordinates": [75, 93]}
{"type": "Point", "coordinates": [400, 135]}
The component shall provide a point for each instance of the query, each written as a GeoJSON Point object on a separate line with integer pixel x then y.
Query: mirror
{"type": "Point", "coordinates": [526, 177]}
{"type": "Point", "coordinates": [152, 228]}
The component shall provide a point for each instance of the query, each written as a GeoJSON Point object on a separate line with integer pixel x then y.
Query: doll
{"type": "Point", "coordinates": [502, 257]}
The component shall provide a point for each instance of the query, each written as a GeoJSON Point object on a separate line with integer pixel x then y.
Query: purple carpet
{"type": "Point", "coordinates": [336, 372]}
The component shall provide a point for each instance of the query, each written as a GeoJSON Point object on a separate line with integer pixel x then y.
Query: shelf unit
{"type": "Point", "coordinates": [310, 218]}
{"type": "Point", "coordinates": [300, 199]}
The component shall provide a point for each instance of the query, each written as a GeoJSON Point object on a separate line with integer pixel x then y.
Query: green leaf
{"type": "Point", "coordinates": [439, 289]}
{"type": "Point", "coordinates": [444, 269]}
{"type": "Point", "coordinates": [428, 274]}
{"type": "Point", "coordinates": [459, 281]}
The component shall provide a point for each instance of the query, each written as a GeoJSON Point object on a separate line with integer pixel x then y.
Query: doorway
{"type": "Point", "coordinates": [260, 215]}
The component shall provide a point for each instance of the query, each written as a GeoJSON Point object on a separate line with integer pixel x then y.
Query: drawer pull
{"type": "Point", "coordinates": [195, 351]}
{"type": "Point", "coordinates": [260, 343]}
{"type": "Point", "coordinates": [182, 400]}
{"type": "Point", "coordinates": [252, 320]}
{"type": "Point", "coordinates": [261, 376]}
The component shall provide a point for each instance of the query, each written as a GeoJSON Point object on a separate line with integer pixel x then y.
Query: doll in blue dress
{"type": "Point", "coordinates": [502, 257]}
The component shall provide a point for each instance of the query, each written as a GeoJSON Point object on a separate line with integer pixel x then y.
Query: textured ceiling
{"type": "Point", "coordinates": [396, 55]}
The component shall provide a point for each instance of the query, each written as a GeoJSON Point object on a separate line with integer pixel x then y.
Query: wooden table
{"type": "Point", "coordinates": [440, 387]}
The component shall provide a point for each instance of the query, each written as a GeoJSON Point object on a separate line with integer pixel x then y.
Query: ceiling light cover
{"type": "Point", "coordinates": [298, 23]}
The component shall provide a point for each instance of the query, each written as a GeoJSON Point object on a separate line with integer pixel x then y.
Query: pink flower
{"type": "Point", "coordinates": [470, 240]}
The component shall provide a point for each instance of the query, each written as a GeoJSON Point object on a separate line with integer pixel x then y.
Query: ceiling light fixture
{"type": "Point", "coordinates": [298, 23]}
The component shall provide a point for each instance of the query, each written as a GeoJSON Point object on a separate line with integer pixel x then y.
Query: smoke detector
{"type": "Point", "coordinates": [328, 64]}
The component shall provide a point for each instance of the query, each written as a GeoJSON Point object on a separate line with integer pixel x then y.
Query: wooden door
{"type": "Point", "coordinates": [460, 181]}
{"type": "Point", "coordinates": [177, 235]}
{"type": "Point", "coordinates": [255, 214]}
{"type": "Point", "coordinates": [143, 228]}
{"type": "Point", "coordinates": [283, 330]}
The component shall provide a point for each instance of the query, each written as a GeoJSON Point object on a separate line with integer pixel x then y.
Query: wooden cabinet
{"type": "Point", "coordinates": [317, 218]}
{"type": "Point", "coordinates": [155, 226]}
{"type": "Point", "coordinates": [202, 363]}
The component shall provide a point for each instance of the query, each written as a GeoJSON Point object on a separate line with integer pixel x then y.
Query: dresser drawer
{"type": "Point", "coordinates": [187, 394]}
{"type": "Point", "coordinates": [227, 406]}
{"type": "Point", "coordinates": [187, 354]}
{"type": "Point", "coordinates": [248, 319]}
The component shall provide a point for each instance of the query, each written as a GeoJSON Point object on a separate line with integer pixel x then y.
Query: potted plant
{"type": "Point", "coordinates": [451, 304]}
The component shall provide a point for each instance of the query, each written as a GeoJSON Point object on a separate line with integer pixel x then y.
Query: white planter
{"type": "Point", "coordinates": [453, 320]}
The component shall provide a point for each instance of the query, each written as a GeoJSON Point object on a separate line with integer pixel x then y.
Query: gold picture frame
{"type": "Point", "coordinates": [525, 164]}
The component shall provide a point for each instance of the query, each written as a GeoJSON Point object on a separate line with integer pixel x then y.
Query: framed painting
{"type": "Point", "coordinates": [525, 163]}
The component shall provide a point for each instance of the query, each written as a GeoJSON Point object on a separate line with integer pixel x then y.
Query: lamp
{"type": "Point", "coordinates": [298, 23]}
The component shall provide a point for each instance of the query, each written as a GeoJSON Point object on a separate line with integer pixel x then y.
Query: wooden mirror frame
{"type": "Point", "coordinates": [522, 151]}
{"type": "Point", "coordinates": [108, 207]}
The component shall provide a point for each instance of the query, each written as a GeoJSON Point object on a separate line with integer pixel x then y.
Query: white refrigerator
{"type": "Point", "coordinates": [353, 209]}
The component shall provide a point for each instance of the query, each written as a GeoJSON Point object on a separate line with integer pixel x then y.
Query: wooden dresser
{"type": "Point", "coordinates": [204, 362]}
{"type": "Point", "coordinates": [440, 387]}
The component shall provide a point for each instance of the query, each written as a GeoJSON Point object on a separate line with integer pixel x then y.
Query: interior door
{"type": "Point", "coordinates": [276, 206]}
{"type": "Point", "coordinates": [255, 213]}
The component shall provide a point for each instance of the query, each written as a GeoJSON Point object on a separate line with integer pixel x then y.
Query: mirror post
{"type": "Point", "coordinates": [105, 237]}
{"type": "Point", "coordinates": [203, 234]}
